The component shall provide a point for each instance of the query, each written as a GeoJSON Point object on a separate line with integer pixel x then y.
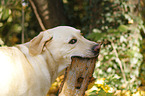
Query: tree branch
{"type": "Point", "coordinates": [37, 15]}
{"type": "Point", "coordinates": [119, 61]}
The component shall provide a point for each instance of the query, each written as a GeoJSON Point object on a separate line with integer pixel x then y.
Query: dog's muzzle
{"type": "Point", "coordinates": [96, 49]}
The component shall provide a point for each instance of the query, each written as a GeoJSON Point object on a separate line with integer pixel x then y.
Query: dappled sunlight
{"type": "Point", "coordinates": [100, 88]}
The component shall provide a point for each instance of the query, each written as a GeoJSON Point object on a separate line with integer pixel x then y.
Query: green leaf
{"type": "Point", "coordinates": [5, 14]}
{"type": "Point", "coordinates": [123, 28]}
{"type": "Point", "coordinates": [93, 93]}
{"type": "Point", "coordinates": [96, 36]}
{"type": "Point", "coordinates": [111, 30]}
{"type": "Point", "coordinates": [103, 93]}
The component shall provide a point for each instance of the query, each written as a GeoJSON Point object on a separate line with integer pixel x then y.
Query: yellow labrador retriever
{"type": "Point", "coordinates": [29, 69]}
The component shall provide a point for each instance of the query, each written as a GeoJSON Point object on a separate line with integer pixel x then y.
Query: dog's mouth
{"type": "Point", "coordinates": [95, 54]}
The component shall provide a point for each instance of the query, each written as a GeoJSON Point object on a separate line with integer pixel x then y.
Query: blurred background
{"type": "Point", "coordinates": [119, 24]}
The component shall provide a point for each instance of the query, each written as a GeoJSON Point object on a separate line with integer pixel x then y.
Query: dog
{"type": "Point", "coordinates": [29, 69]}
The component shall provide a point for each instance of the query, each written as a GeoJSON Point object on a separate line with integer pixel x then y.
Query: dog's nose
{"type": "Point", "coordinates": [96, 48]}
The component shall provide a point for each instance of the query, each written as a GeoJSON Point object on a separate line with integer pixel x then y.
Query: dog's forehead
{"type": "Point", "coordinates": [64, 29]}
{"type": "Point", "coordinates": [64, 32]}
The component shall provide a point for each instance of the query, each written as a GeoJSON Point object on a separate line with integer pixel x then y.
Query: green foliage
{"type": "Point", "coordinates": [142, 67]}
{"type": "Point", "coordinates": [100, 93]}
{"type": "Point", "coordinates": [120, 53]}
{"type": "Point", "coordinates": [5, 14]}
{"type": "Point", "coordinates": [11, 22]}
{"type": "Point", "coordinates": [121, 47]}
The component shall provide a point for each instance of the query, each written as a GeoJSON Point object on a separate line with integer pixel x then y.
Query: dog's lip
{"type": "Point", "coordinates": [86, 56]}
{"type": "Point", "coordinates": [81, 57]}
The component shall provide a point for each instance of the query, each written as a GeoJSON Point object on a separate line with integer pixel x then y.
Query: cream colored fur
{"type": "Point", "coordinates": [29, 69]}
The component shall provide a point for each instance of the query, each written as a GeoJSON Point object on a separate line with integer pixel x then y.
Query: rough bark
{"type": "Point", "coordinates": [49, 13]}
{"type": "Point", "coordinates": [77, 77]}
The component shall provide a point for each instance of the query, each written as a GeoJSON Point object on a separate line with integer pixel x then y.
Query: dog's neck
{"type": "Point", "coordinates": [52, 65]}
{"type": "Point", "coordinates": [51, 68]}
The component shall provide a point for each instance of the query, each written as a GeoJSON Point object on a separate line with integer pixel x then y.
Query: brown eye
{"type": "Point", "coordinates": [72, 41]}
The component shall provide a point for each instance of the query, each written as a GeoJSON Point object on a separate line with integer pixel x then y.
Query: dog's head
{"type": "Point", "coordinates": [63, 42]}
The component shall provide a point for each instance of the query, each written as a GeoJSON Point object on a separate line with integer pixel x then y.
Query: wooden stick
{"type": "Point", "coordinates": [77, 77]}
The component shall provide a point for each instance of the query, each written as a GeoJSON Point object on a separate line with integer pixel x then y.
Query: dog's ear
{"type": "Point", "coordinates": [37, 43]}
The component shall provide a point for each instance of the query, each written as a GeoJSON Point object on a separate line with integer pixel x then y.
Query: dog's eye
{"type": "Point", "coordinates": [72, 41]}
